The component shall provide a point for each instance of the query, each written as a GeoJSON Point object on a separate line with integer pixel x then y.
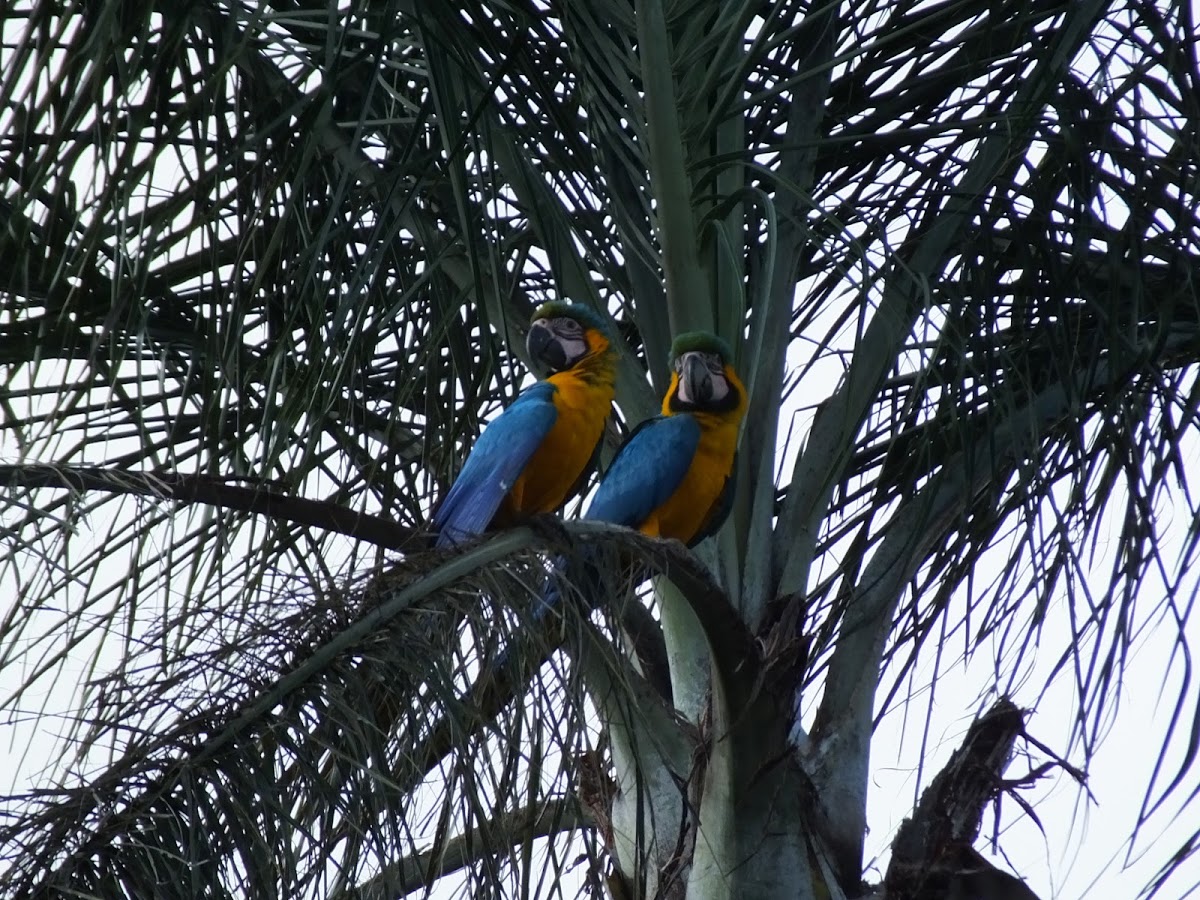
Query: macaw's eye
{"type": "Point", "coordinates": [568, 327]}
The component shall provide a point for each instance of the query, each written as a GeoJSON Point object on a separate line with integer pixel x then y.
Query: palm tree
{"type": "Point", "coordinates": [265, 273]}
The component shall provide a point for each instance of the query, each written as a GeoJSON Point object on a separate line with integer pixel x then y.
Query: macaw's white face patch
{"type": "Point", "coordinates": [558, 343]}
{"type": "Point", "coordinates": [701, 378]}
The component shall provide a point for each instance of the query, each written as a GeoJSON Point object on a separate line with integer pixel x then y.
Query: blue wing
{"type": "Point", "coordinates": [646, 471]}
{"type": "Point", "coordinates": [498, 458]}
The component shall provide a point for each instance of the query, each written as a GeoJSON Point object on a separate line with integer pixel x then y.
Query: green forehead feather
{"type": "Point", "coordinates": [703, 341]}
{"type": "Point", "coordinates": [584, 315]}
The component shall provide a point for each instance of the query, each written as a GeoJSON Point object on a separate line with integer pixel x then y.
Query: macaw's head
{"type": "Point", "coordinates": [562, 334]}
{"type": "Point", "coordinates": [702, 377]}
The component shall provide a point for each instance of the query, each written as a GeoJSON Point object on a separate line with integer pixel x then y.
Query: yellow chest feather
{"type": "Point", "coordinates": [558, 464]}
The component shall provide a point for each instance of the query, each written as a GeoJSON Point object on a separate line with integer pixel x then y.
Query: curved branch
{"type": "Point", "coordinates": [735, 654]}
{"type": "Point", "coordinates": [262, 499]}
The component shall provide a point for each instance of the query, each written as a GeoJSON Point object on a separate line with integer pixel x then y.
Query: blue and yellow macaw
{"type": "Point", "coordinates": [538, 452]}
{"type": "Point", "coordinates": [674, 476]}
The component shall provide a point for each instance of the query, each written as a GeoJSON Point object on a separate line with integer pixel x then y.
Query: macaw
{"type": "Point", "coordinates": [673, 477]}
{"type": "Point", "coordinates": [538, 452]}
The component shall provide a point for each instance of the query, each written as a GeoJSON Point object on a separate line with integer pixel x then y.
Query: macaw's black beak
{"type": "Point", "coordinates": [695, 381]}
{"type": "Point", "coordinates": [545, 348]}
